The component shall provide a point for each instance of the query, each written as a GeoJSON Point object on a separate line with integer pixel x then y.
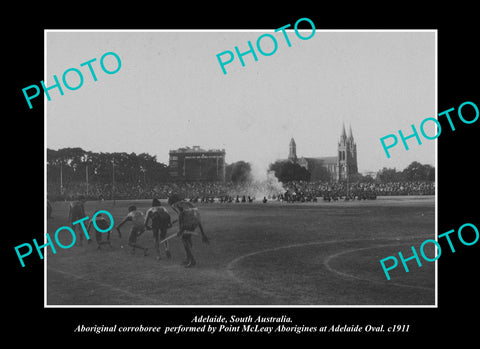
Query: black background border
{"type": "Point", "coordinates": [457, 83]}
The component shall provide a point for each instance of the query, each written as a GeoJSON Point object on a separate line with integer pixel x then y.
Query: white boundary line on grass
{"type": "Point", "coordinates": [231, 265]}
{"type": "Point", "coordinates": [384, 283]}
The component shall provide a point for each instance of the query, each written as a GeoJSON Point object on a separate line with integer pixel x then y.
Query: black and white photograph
{"type": "Point", "coordinates": [272, 181]}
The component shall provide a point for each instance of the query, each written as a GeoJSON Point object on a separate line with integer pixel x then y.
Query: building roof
{"type": "Point", "coordinates": [196, 149]}
{"type": "Point", "coordinates": [326, 160]}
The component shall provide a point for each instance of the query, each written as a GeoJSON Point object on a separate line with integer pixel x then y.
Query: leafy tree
{"type": "Point", "coordinates": [75, 163]}
{"type": "Point", "coordinates": [413, 172]}
{"type": "Point", "coordinates": [389, 175]}
{"type": "Point", "coordinates": [359, 178]}
{"type": "Point", "coordinates": [240, 172]}
{"type": "Point", "coordinates": [288, 171]}
{"type": "Point", "coordinates": [419, 172]}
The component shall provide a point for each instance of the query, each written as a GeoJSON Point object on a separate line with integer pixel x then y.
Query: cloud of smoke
{"type": "Point", "coordinates": [266, 181]}
{"type": "Point", "coordinates": [261, 182]}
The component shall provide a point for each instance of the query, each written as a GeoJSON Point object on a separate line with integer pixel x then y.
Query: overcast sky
{"type": "Point", "coordinates": [171, 92]}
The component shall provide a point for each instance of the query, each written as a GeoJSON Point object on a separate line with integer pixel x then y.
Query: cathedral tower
{"type": "Point", "coordinates": [347, 155]}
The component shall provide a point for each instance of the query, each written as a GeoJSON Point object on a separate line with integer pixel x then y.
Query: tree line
{"type": "Point", "coordinates": [78, 165]}
{"type": "Point", "coordinates": [287, 171]}
{"type": "Point", "coordinates": [413, 172]}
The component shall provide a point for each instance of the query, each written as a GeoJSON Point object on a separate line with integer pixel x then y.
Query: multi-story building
{"type": "Point", "coordinates": [197, 164]}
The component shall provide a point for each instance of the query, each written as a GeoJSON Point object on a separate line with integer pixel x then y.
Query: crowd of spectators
{"type": "Point", "coordinates": [303, 190]}
{"type": "Point", "coordinates": [230, 192]}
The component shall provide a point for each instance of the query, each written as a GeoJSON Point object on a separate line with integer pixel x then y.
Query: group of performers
{"type": "Point", "coordinates": [157, 219]}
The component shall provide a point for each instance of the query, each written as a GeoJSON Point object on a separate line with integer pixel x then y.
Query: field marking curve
{"type": "Point", "coordinates": [327, 260]}
{"type": "Point", "coordinates": [230, 266]}
{"type": "Point", "coordinates": [109, 286]}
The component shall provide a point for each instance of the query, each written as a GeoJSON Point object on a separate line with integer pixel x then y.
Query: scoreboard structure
{"type": "Point", "coordinates": [197, 164]}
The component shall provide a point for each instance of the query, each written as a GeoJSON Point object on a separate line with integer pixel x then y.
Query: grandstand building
{"type": "Point", "coordinates": [197, 164]}
{"type": "Point", "coordinates": [332, 168]}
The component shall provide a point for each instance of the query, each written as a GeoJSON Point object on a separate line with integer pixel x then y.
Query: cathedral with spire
{"type": "Point", "coordinates": [332, 168]}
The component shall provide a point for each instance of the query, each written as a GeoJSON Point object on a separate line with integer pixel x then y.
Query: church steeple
{"type": "Point", "coordinates": [292, 154]}
{"type": "Point", "coordinates": [347, 155]}
{"type": "Point", "coordinates": [344, 133]}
